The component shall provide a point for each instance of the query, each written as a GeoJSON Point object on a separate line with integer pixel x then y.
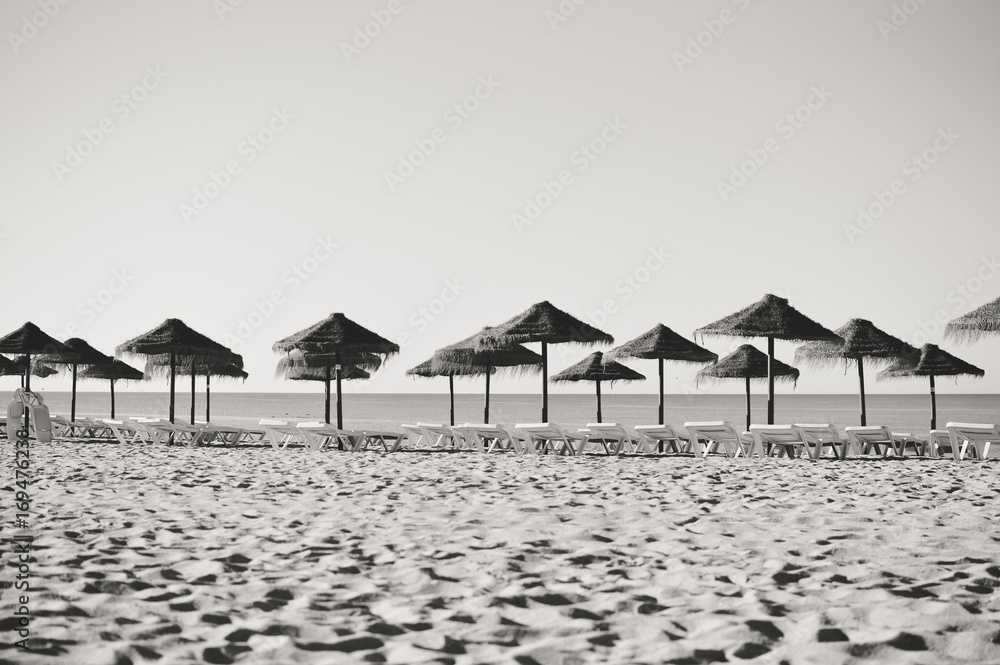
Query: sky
{"type": "Point", "coordinates": [430, 167]}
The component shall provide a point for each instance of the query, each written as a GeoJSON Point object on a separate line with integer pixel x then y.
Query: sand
{"type": "Point", "coordinates": [177, 555]}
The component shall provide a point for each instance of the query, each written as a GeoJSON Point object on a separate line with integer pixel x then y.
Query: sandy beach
{"type": "Point", "coordinates": [177, 555]}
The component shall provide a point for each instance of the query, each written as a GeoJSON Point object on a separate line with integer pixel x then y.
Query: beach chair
{"type": "Point", "coordinates": [3, 426]}
{"type": "Point", "coordinates": [124, 432]}
{"type": "Point", "coordinates": [316, 436]}
{"type": "Point", "coordinates": [178, 431]}
{"type": "Point", "coordinates": [939, 443]}
{"type": "Point", "coordinates": [414, 435]}
{"type": "Point", "coordinates": [542, 437]}
{"type": "Point", "coordinates": [41, 425]}
{"type": "Point", "coordinates": [706, 437]}
{"type": "Point", "coordinates": [979, 436]}
{"type": "Point", "coordinates": [783, 439]}
{"type": "Point", "coordinates": [864, 439]}
{"type": "Point", "coordinates": [437, 435]}
{"type": "Point", "coordinates": [280, 434]}
{"type": "Point", "coordinates": [144, 427]}
{"type": "Point", "coordinates": [822, 436]}
{"type": "Point", "coordinates": [389, 441]}
{"type": "Point", "coordinates": [488, 438]}
{"type": "Point", "coordinates": [219, 433]}
{"type": "Point", "coordinates": [614, 438]}
{"type": "Point", "coordinates": [653, 437]}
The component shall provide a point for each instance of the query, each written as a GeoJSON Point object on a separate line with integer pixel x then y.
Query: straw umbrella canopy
{"type": "Point", "coordinates": [175, 339]}
{"type": "Point", "coordinates": [749, 364]}
{"type": "Point", "coordinates": [41, 370]}
{"type": "Point", "coordinates": [231, 368]}
{"type": "Point", "coordinates": [469, 353]}
{"type": "Point", "coordinates": [426, 370]}
{"type": "Point", "coordinates": [545, 323]}
{"type": "Point", "coordinates": [661, 343]}
{"type": "Point", "coordinates": [10, 368]}
{"type": "Point", "coordinates": [81, 354]}
{"type": "Point", "coordinates": [331, 339]}
{"type": "Point", "coordinates": [322, 366]}
{"type": "Point", "coordinates": [932, 362]}
{"type": "Point", "coordinates": [113, 370]}
{"type": "Point", "coordinates": [597, 368]}
{"type": "Point", "coordinates": [31, 341]}
{"type": "Point", "coordinates": [771, 317]}
{"type": "Point", "coordinates": [861, 342]}
{"type": "Point", "coordinates": [976, 324]}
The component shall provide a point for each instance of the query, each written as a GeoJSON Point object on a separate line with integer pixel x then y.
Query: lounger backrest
{"type": "Point", "coordinates": [975, 432]}
{"type": "Point", "coordinates": [721, 430]}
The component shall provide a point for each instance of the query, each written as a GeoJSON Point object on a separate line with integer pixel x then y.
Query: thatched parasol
{"type": "Point", "coordinates": [113, 370]}
{"type": "Point", "coordinates": [547, 324]}
{"type": "Point", "coordinates": [30, 341]}
{"type": "Point", "coordinates": [771, 317]}
{"type": "Point", "coordinates": [176, 340]}
{"type": "Point", "coordinates": [471, 354]}
{"type": "Point", "coordinates": [332, 338]}
{"type": "Point", "coordinates": [661, 343]}
{"type": "Point", "coordinates": [231, 368]}
{"type": "Point", "coordinates": [932, 362]}
{"type": "Point", "coordinates": [749, 364]}
{"type": "Point", "coordinates": [426, 370]}
{"type": "Point", "coordinates": [861, 343]}
{"type": "Point", "coordinates": [41, 370]}
{"type": "Point", "coordinates": [348, 373]}
{"type": "Point", "coordinates": [81, 354]}
{"type": "Point", "coordinates": [595, 368]}
{"type": "Point", "coordinates": [976, 324]}
{"type": "Point", "coordinates": [10, 368]}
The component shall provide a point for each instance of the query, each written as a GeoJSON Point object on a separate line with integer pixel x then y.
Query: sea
{"type": "Point", "coordinates": [902, 413]}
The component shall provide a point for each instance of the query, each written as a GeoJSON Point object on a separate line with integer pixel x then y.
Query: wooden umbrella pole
{"type": "Point", "coordinates": [661, 389]}
{"type": "Point", "coordinates": [173, 378]}
{"type": "Point", "coordinates": [340, 411]}
{"type": "Point", "coordinates": [112, 399]}
{"type": "Point", "coordinates": [451, 392]}
{"type": "Point", "coordinates": [486, 411]}
{"type": "Point", "coordinates": [861, 380]}
{"type": "Point", "coordinates": [545, 383]}
{"type": "Point", "coordinates": [193, 376]}
{"type": "Point", "coordinates": [326, 383]}
{"type": "Point", "coordinates": [770, 380]}
{"type": "Point", "coordinates": [748, 403]}
{"type": "Point", "coordinates": [598, 401]}
{"type": "Point", "coordinates": [933, 405]}
{"type": "Point", "coordinates": [72, 402]}
{"type": "Point", "coordinates": [208, 398]}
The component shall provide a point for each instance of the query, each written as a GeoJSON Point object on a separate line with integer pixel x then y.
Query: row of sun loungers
{"type": "Point", "coordinates": [700, 439]}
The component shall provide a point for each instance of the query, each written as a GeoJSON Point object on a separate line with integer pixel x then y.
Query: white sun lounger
{"type": "Point", "coordinates": [715, 433]}
{"type": "Point", "coordinates": [819, 436]}
{"type": "Point", "coordinates": [126, 433]}
{"type": "Point", "coordinates": [541, 437]}
{"type": "Point", "coordinates": [487, 438]}
{"type": "Point", "coordinates": [979, 436]}
{"type": "Point", "coordinates": [438, 435]}
{"type": "Point", "coordinates": [783, 439]}
{"type": "Point", "coordinates": [653, 437]}
{"type": "Point", "coordinates": [612, 437]}
{"type": "Point", "coordinates": [317, 436]}
{"type": "Point", "coordinates": [863, 439]}
{"type": "Point", "coordinates": [280, 434]}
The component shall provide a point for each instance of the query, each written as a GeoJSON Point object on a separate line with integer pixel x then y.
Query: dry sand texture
{"type": "Point", "coordinates": [176, 555]}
